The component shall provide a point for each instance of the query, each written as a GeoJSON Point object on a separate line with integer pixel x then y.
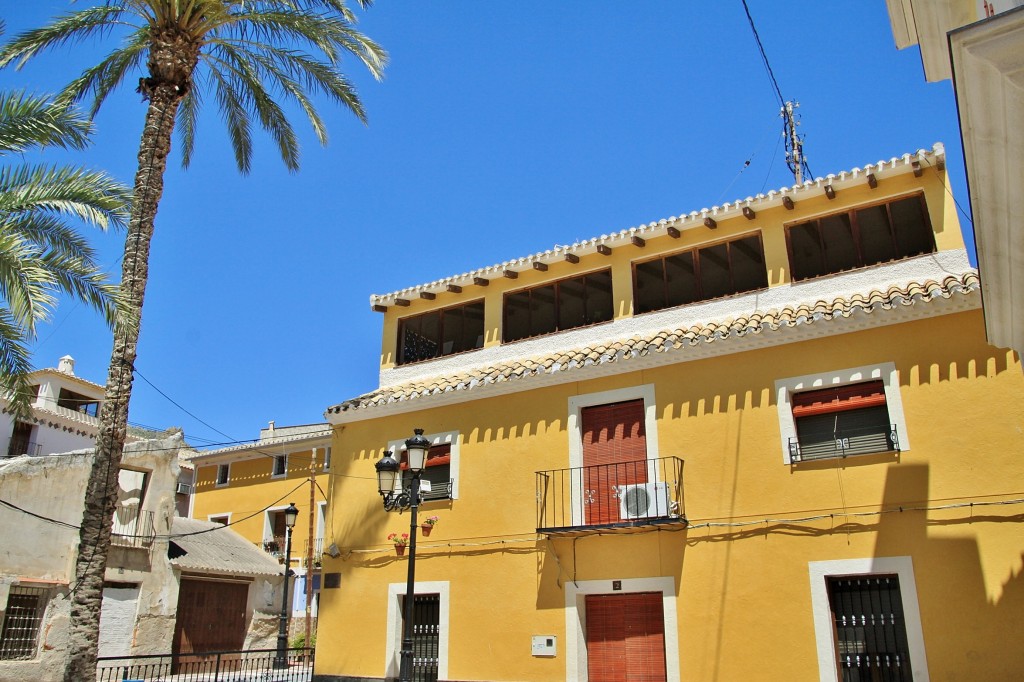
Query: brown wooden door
{"type": "Point", "coordinates": [211, 616]}
{"type": "Point", "coordinates": [614, 455]}
{"type": "Point", "coordinates": [625, 637]}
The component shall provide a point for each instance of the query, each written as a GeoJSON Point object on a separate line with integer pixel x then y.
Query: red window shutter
{"type": "Point", "coordinates": [625, 637]}
{"type": "Point", "coordinates": [437, 455]}
{"type": "Point", "coordinates": [839, 399]}
{"type": "Point", "coordinates": [612, 435]}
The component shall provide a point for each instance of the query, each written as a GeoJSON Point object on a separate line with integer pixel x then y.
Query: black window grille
{"type": "Point", "coordinates": [870, 629]}
{"type": "Point", "coordinates": [565, 304]}
{"type": "Point", "coordinates": [702, 274]}
{"type": "Point", "coordinates": [441, 332]}
{"type": "Point", "coordinates": [22, 619]}
{"type": "Point", "coordinates": [860, 237]}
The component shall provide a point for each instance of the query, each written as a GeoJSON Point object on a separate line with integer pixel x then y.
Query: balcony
{"type": "Point", "coordinates": [844, 443]}
{"type": "Point", "coordinates": [318, 552]}
{"type": "Point", "coordinates": [611, 497]}
{"type": "Point", "coordinates": [274, 547]}
{"type": "Point", "coordinates": [132, 527]}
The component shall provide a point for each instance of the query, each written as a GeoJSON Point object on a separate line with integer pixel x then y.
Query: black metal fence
{"type": "Point", "coordinates": [254, 665]}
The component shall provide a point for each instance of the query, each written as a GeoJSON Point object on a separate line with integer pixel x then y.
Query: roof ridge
{"type": "Point", "coordinates": [904, 163]}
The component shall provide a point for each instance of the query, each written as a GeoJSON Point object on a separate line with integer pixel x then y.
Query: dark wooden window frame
{"type": "Point", "coordinates": [851, 213]}
{"type": "Point", "coordinates": [400, 347]}
{"type": "Point", "coordinates": [556, 283]}
{"type": "Point", "coordinates": [695, 251]}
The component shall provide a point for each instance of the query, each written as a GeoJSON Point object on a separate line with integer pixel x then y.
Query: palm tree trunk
{"type": "Point", "coordinates": [101, 490]}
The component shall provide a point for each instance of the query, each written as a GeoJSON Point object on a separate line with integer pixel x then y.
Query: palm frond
{"type": "Point", "coordinates": [92, 196]}
{"type": "Point", "coordinates": [25, 283]}
{"type": "Point", "coordinates": [246, 82]}
{"type": "Point", "coordinates": [15, 364]}
{"type": "Point", "coordinates": [188, 122]}
{"type": "Point", "coordinates": [100, 80]}
{"type": "Point", "coordinates": [236, 117]}
{"type": "Point", "coordinates": [33, 121]}
{"type": "Point", "coordinates": [65, 30]}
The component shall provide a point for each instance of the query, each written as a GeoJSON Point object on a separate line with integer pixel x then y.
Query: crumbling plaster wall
{"type": "Point", "coordinates": [38, 552]}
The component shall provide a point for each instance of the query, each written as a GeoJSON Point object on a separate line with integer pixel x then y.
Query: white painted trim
{"type": "Point", "coordinates": [903, 567]}
{"type": "Point", "coordinates": [886, 371]}
{"type": "Point", "coordinates": [576, 405]}
{"type": "Point", "coordinates": [393, 648]}
{"type": "Point", "coordinates": [576, 620]}
{"type": "Point", "coordinates": [321, 518]}
{"type": "Point", "coordinates": [222, 515]}
{"type": "Point", "coordinates": [452, 437]}
{"type": "Point", "coordinates": [268, 527]}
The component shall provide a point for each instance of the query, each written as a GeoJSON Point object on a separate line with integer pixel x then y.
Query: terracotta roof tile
{"type": "Point", "coordinates": [672, 339]}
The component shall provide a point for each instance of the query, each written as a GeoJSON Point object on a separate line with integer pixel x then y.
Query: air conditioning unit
{"type": "Point", "coordinates": [643, 501]}
{"type": "Point", "coordinates": [184, 489]}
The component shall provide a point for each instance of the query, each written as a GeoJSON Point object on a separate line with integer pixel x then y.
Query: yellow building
{"type": "Point", "coordinates": [249, 486]}
{"type": "Point", "coordinates": [851, 498]}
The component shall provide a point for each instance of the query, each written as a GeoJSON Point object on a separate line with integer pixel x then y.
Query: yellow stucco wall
{"type": "Point", "coordinates": [252, 488]}
{"type": "Point", "coordinates": [743, 598]}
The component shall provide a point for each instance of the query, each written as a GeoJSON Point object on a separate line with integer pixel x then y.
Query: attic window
{"type": "Point", "coordinates": [702, 274]}
{"type": "Point", "coordinates": [78, 402]}
{"type": "Point", "coordinates": [441, 332]}
{"type": "Point", "coordinates": [860, 237]}
{"type": "Point", "coordinates": [565, 304]}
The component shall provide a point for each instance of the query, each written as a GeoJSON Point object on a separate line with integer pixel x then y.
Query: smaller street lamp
{"type": "Point", "coordinates": [281, 660]}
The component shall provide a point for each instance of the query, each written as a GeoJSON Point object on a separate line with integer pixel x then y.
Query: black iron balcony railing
{"type": "Point", "coordinates": [274, 547]}
{"type": "Point", "coordinates": [253, 664]}
{"type": "Point", "coordinates": [132, 527]}
{"type": "Point", "coordinates": [844, 443]}
{"type": "Point", "coordinates": [623, 495]}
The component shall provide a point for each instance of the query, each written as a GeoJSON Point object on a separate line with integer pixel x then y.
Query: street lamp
{"type": "Point", "coordinates": [281, 660]}
{"type": "Point", "coordinates": [396, 496]}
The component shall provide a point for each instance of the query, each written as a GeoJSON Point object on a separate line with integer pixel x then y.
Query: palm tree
{"type": "Point", "coordinates": [248, 54]}
{"type": "Point", "coordinates": [41, 253]}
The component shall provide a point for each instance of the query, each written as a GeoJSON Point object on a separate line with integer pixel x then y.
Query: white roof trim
{"type": "Point", "coordinates": [806, 190]}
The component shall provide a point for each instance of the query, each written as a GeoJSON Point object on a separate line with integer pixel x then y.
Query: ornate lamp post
{"type": "Point", "coordinates": [396, 496]}
{"type": "Point", "coordinates": [281, 659]}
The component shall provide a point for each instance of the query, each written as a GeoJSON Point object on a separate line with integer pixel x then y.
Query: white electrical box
{"type": "Point", "coordinates": [424, 486]}
{"type": "Point", "coordinates": [544, 645]}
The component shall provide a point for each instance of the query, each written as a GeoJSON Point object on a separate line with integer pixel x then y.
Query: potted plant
{"type": "Point", "coordinates": [400, 542]}
{"type": "Point", "coordinates": [428, 525]}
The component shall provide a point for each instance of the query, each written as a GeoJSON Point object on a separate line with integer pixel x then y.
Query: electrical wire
{"type": "Point", "coordinates": [764, 56]}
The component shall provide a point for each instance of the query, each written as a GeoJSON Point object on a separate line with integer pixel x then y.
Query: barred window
{"type": "Point", "coordinates": [22, 619]}
{"type": "Point", "coordinates": [870, 628]}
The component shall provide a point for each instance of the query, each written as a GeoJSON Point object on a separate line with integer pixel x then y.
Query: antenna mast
{"type": "Point", "coordinates": [795, 158]}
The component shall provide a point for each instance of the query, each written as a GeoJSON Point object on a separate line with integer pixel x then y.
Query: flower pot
{"type": "Point", "coordinates": [399, 550]}
{"type": "Point", "coordinates": [426, 528]}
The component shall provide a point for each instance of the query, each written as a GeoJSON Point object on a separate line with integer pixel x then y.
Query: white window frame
{"type": "Point", "coordinates": [393, 649]}
{"type": "Point", "coordinates": [273, 466]}
{"type": "Point", "coordinates": [886, 371]}
{"type": "Point", "coordinates": [903, 568]}
{"type": "Point", "coordinates": [223, 515]}
{"type": "Point", "coordinates": [576, 619]}
{"type": "Point", "coordinates": [327, 457]}
{"type": "Point", "coordinates": [643, 392]}
{"type": "Point", "coordinates": [439, 438]}
{"type": "Point", "coordinates": [227, 479]}
{"type": "Point", "coordinates": [268, 526]}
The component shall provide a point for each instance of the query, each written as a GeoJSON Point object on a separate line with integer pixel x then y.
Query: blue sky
{"type": "Point", "coordinates": [500, 130]}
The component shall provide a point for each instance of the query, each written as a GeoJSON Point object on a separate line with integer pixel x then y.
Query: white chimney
{"type": "Point", "coordinates": [66, 365]}
{"type": "Point", "coordinates": [271, 429]}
